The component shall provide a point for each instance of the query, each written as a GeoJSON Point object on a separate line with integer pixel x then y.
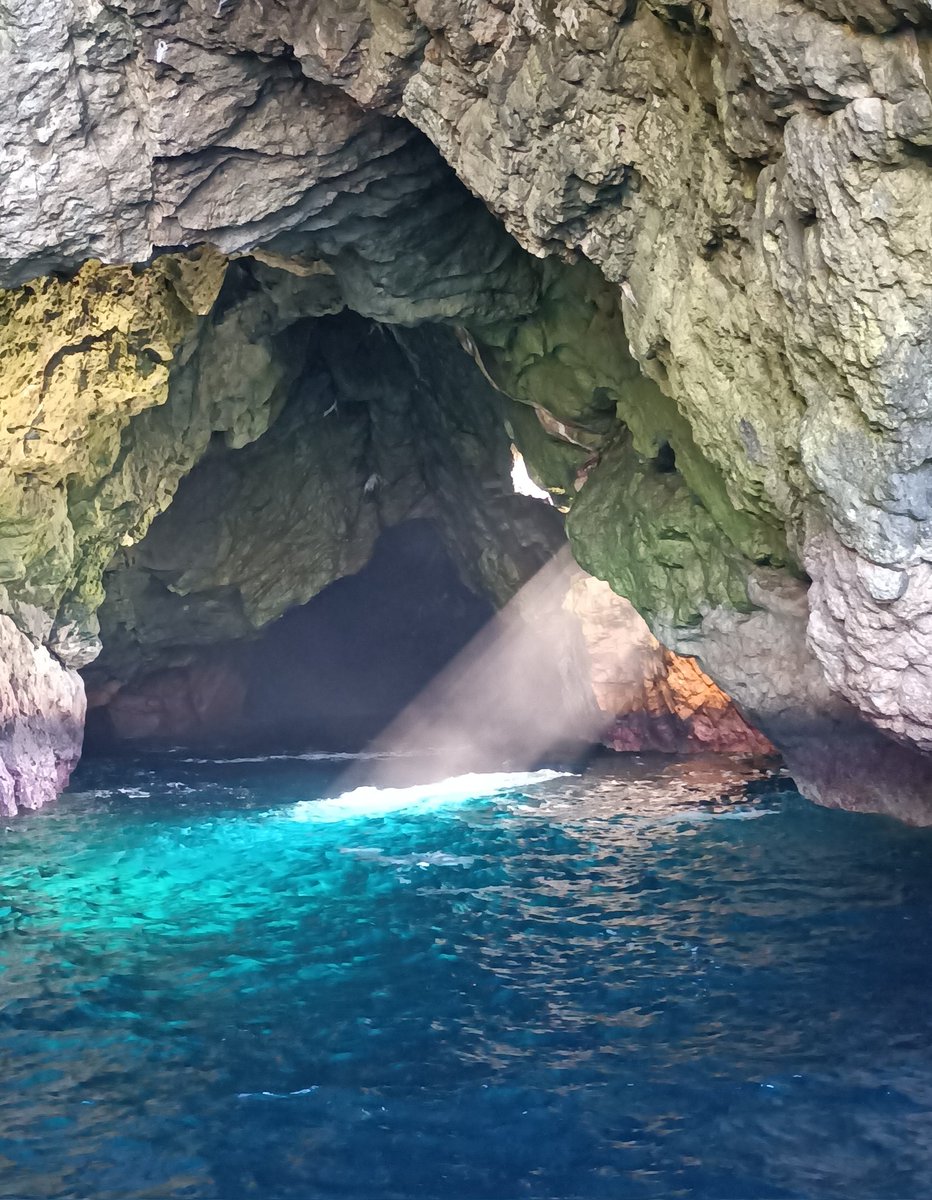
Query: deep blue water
{"type": "Point", "coordinates": [609, 986]}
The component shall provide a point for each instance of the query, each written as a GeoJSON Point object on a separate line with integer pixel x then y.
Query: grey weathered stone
{"type": "Point", "coordinates": [749, 178]}
{"type": "Point", "coordinates": [41, 721]}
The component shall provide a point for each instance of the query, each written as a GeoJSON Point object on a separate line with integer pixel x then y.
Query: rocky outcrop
{"type": "Point", "coordinates": [652, 699]}
{"type": "Point", "coordinates": [41, 722]}
{"type": "Point", "coordinates": [713, 349]}
{"type": "Point", "coordinates": [754, 178]}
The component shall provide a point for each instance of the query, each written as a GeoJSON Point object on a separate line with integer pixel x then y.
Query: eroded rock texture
{"type": "Point", "coordinates": [41, 721]}
{"type": "Point", "coordinates": [713, 347]}
{"type": "Point", "coordinates": [378, 426]}
{"type": "Point", "coordinates": [652, 698]}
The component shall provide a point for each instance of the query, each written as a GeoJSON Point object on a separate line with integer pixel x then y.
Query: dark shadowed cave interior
{"type": "Point", "coordinates": [328, 675]}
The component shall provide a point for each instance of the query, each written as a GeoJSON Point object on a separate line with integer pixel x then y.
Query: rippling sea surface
{"type": "Point", "coordinates": [647, 981]}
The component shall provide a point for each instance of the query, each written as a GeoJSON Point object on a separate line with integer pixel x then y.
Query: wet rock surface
{"type": "Point", "coordinates": [41, 722]}
{"type": "Point", "coordinates": [685, 246]}
{"type": "Point", "coordinates": [652, 698]}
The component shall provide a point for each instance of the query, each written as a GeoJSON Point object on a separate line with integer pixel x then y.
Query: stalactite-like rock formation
{"type": "Point", "coordinates": [685, 248]}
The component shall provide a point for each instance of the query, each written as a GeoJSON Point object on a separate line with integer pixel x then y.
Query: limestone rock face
{"type": "Point", "coordinates": [688, 245]}
{"type": "Point", "coordinates": [754, 178]}
{"type": "Point", "coordinates": [652, 698]}
{"type": "Point", "coordinates": [41, 722]}
{"type": "Point", "coordinates": [81, 359]}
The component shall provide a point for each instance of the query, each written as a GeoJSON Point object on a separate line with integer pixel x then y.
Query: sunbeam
{"type": "Point", "coordinates": [517, 698]}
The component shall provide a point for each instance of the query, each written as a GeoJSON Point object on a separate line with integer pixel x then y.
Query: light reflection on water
{"type": "Point", "coordinates": [636, 982]}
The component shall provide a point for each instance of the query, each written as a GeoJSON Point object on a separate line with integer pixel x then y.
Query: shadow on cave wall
{"type": "Point", "coordinates": [328, 675]}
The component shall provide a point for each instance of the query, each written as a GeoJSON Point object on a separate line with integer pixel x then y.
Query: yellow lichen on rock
{"type": "Point", "coordinates": [79, 359]}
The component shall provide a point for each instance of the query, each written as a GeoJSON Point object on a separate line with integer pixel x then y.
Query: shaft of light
{"type": "Point", "coordinates": [517, 697]}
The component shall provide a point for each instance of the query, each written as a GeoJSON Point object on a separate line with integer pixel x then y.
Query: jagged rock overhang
{"type": "Point", "coordinates": [796, 408]}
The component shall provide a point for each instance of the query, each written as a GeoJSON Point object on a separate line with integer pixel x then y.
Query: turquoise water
{"type": "Point", "coordinates": [618, 985]}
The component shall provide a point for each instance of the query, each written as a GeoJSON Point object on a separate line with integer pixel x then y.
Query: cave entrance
{"type": "Point", "coordinates": [328, 675]}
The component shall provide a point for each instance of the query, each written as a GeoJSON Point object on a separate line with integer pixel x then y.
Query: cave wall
{"type": "Point", "coordinates": [694, 264]}
{"type": "Point", "coordinates": [652, 699]}
{"type": "Point", "coordinates": [378, 426]}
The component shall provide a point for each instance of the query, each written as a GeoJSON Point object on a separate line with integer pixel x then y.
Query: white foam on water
{"type": "Point", "coordinates": [433, 858]}
{"type": "Point", "coordinates": [277, 1095]}
{"type": "Point", "coordinates": [749, 814]}
{"type": "Point", "coordinates": [694, 816]}
{"type": "Point", "coordinates": [422, 797]}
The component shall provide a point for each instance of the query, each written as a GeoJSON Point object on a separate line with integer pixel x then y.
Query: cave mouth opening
{"type": "Point", "coordinates": [327, 676]}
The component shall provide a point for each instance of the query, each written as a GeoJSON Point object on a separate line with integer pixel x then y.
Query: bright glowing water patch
{"type": "Point", "coordinates": [583, 987]}
{"type": "Point", "coordinates": [421, 797]}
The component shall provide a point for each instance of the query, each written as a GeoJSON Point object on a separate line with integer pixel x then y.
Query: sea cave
{"type": "Point", "coordinates": [465, 599]}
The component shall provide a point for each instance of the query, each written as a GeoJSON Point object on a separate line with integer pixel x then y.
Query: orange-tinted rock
{"type": "Point", "coordinates": [652, 698]}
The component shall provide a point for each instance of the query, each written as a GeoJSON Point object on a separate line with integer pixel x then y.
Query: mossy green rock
{"type": "Point", "coordinates": [645, 532]}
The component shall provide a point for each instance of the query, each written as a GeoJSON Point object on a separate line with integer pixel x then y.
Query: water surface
{"type": "Point", "coordinates": [615, 985]}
